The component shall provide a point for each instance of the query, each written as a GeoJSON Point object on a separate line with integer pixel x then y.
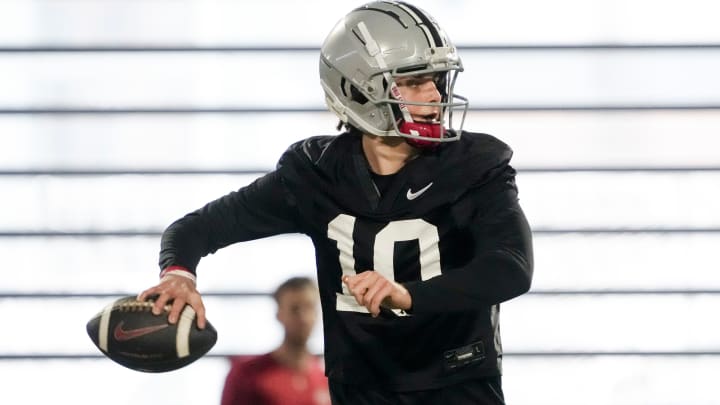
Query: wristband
{"type": "Point", "coordinates": [178, 271]}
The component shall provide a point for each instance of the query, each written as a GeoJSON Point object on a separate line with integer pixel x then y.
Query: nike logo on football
{"type": "Point", "coordinates": [122, 335]}
{"type": "Point", "coordinates": [413, 195]}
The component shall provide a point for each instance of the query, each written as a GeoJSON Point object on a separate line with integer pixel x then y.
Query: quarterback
{"type": "Point", "coordinates": [416, 224]}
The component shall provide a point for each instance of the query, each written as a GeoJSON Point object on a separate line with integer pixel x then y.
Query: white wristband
{"type": "Point", "coordinates": [181, 273]}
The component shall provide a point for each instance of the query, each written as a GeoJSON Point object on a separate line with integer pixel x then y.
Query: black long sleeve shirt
{"type": "Point", "coordinates": [448, 226]}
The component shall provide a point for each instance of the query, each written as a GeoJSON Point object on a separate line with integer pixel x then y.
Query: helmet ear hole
{"type": "Point", "coordinates": [342, 86]}
{"type": "Point", "coordinates": [356, 96]}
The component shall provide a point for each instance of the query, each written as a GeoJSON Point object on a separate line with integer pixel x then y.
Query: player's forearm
{"type": "Point", "coordinates": [502, 269]}
{"type": "Point", "coordinates": [201, 232]}
{"type": "Point", "coordinates": [182, 245]}
{"type": "Point", "coordinates": [468, 290]}
{"type": "Point", "coordinates": [255, 211]}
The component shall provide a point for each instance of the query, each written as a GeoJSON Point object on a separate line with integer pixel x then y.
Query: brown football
{"type": "Point", "coordinates": [127, 332]}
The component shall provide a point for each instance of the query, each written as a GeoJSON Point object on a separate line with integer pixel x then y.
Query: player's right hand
{"type": "Point", "coordinates": [181, 290]}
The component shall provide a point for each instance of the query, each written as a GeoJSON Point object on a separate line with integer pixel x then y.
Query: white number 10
{"type": "Point", "coordinates": [341, 229]}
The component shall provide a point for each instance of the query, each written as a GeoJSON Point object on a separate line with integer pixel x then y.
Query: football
{"type": "Point", "coordinates": [127, 332]}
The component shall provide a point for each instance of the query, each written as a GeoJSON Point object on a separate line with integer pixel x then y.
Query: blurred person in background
{"type": "Point", "coordinates": [289, 374]}
{"type": "Point", "coordinates": [416, 224]}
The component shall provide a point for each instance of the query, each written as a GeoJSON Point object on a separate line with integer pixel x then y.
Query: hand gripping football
{"type": "Point", "coordinates": [129, 333]}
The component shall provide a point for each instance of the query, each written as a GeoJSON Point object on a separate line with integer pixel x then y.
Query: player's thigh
{"type": "Point", "coordinates": [487, 391]}
{"type": "Point", "coordinates": [346, 394]}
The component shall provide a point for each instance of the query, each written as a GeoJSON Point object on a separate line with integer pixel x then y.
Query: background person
{"type": "Point", "coordinates": [289, 374]}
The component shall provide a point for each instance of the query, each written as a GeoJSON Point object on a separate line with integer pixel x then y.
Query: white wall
{"type": "Point", "coordinates": [653, 342]}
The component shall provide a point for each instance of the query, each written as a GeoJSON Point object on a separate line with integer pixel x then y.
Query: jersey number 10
{"type": "Point", "coordinates": [426, 234]}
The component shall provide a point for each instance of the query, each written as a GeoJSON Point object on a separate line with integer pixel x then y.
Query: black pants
{"type": "Point", "coordinates": [486, 391]}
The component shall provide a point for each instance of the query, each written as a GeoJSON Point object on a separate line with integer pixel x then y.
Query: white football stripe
{"type": "Point", "coordinates": [182, 338]}
{"type": "Point", "coordinates": [104, 328]}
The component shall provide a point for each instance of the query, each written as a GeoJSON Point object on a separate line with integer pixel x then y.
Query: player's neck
{"type": "Point", "coordinates": [387, 154]}
{"type": "Point", "coordinates": [292, 356]}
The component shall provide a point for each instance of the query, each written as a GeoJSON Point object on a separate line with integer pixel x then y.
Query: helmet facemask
{"type": "Point", "coordinates": [427, 134]}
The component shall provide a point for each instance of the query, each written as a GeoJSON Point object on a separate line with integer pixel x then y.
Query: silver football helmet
{"type": "Point", "coordinates": [371, 47]}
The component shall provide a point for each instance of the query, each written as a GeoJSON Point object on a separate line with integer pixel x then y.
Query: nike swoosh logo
{"type": "Point", "coordinates": [411, 196]}
{"type": "Point", "coordinates": [122, 335]}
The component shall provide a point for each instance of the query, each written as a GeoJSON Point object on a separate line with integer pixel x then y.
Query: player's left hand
{"type": "Point", "coordinates": [372, 290]}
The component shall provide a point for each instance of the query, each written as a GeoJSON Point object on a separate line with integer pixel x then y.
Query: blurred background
{"type": "Point", "coordinates": [117, 117]}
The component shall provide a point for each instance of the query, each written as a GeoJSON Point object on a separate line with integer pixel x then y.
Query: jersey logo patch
{"type": "Point", "coordinates": [413, 195]}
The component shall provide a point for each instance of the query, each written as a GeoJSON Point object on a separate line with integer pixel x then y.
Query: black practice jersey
{"type": "Point", "coordinates": [447, 226]}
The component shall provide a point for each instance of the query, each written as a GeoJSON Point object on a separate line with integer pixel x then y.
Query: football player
{"type": "Point", "coordinates": [416, 225]}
